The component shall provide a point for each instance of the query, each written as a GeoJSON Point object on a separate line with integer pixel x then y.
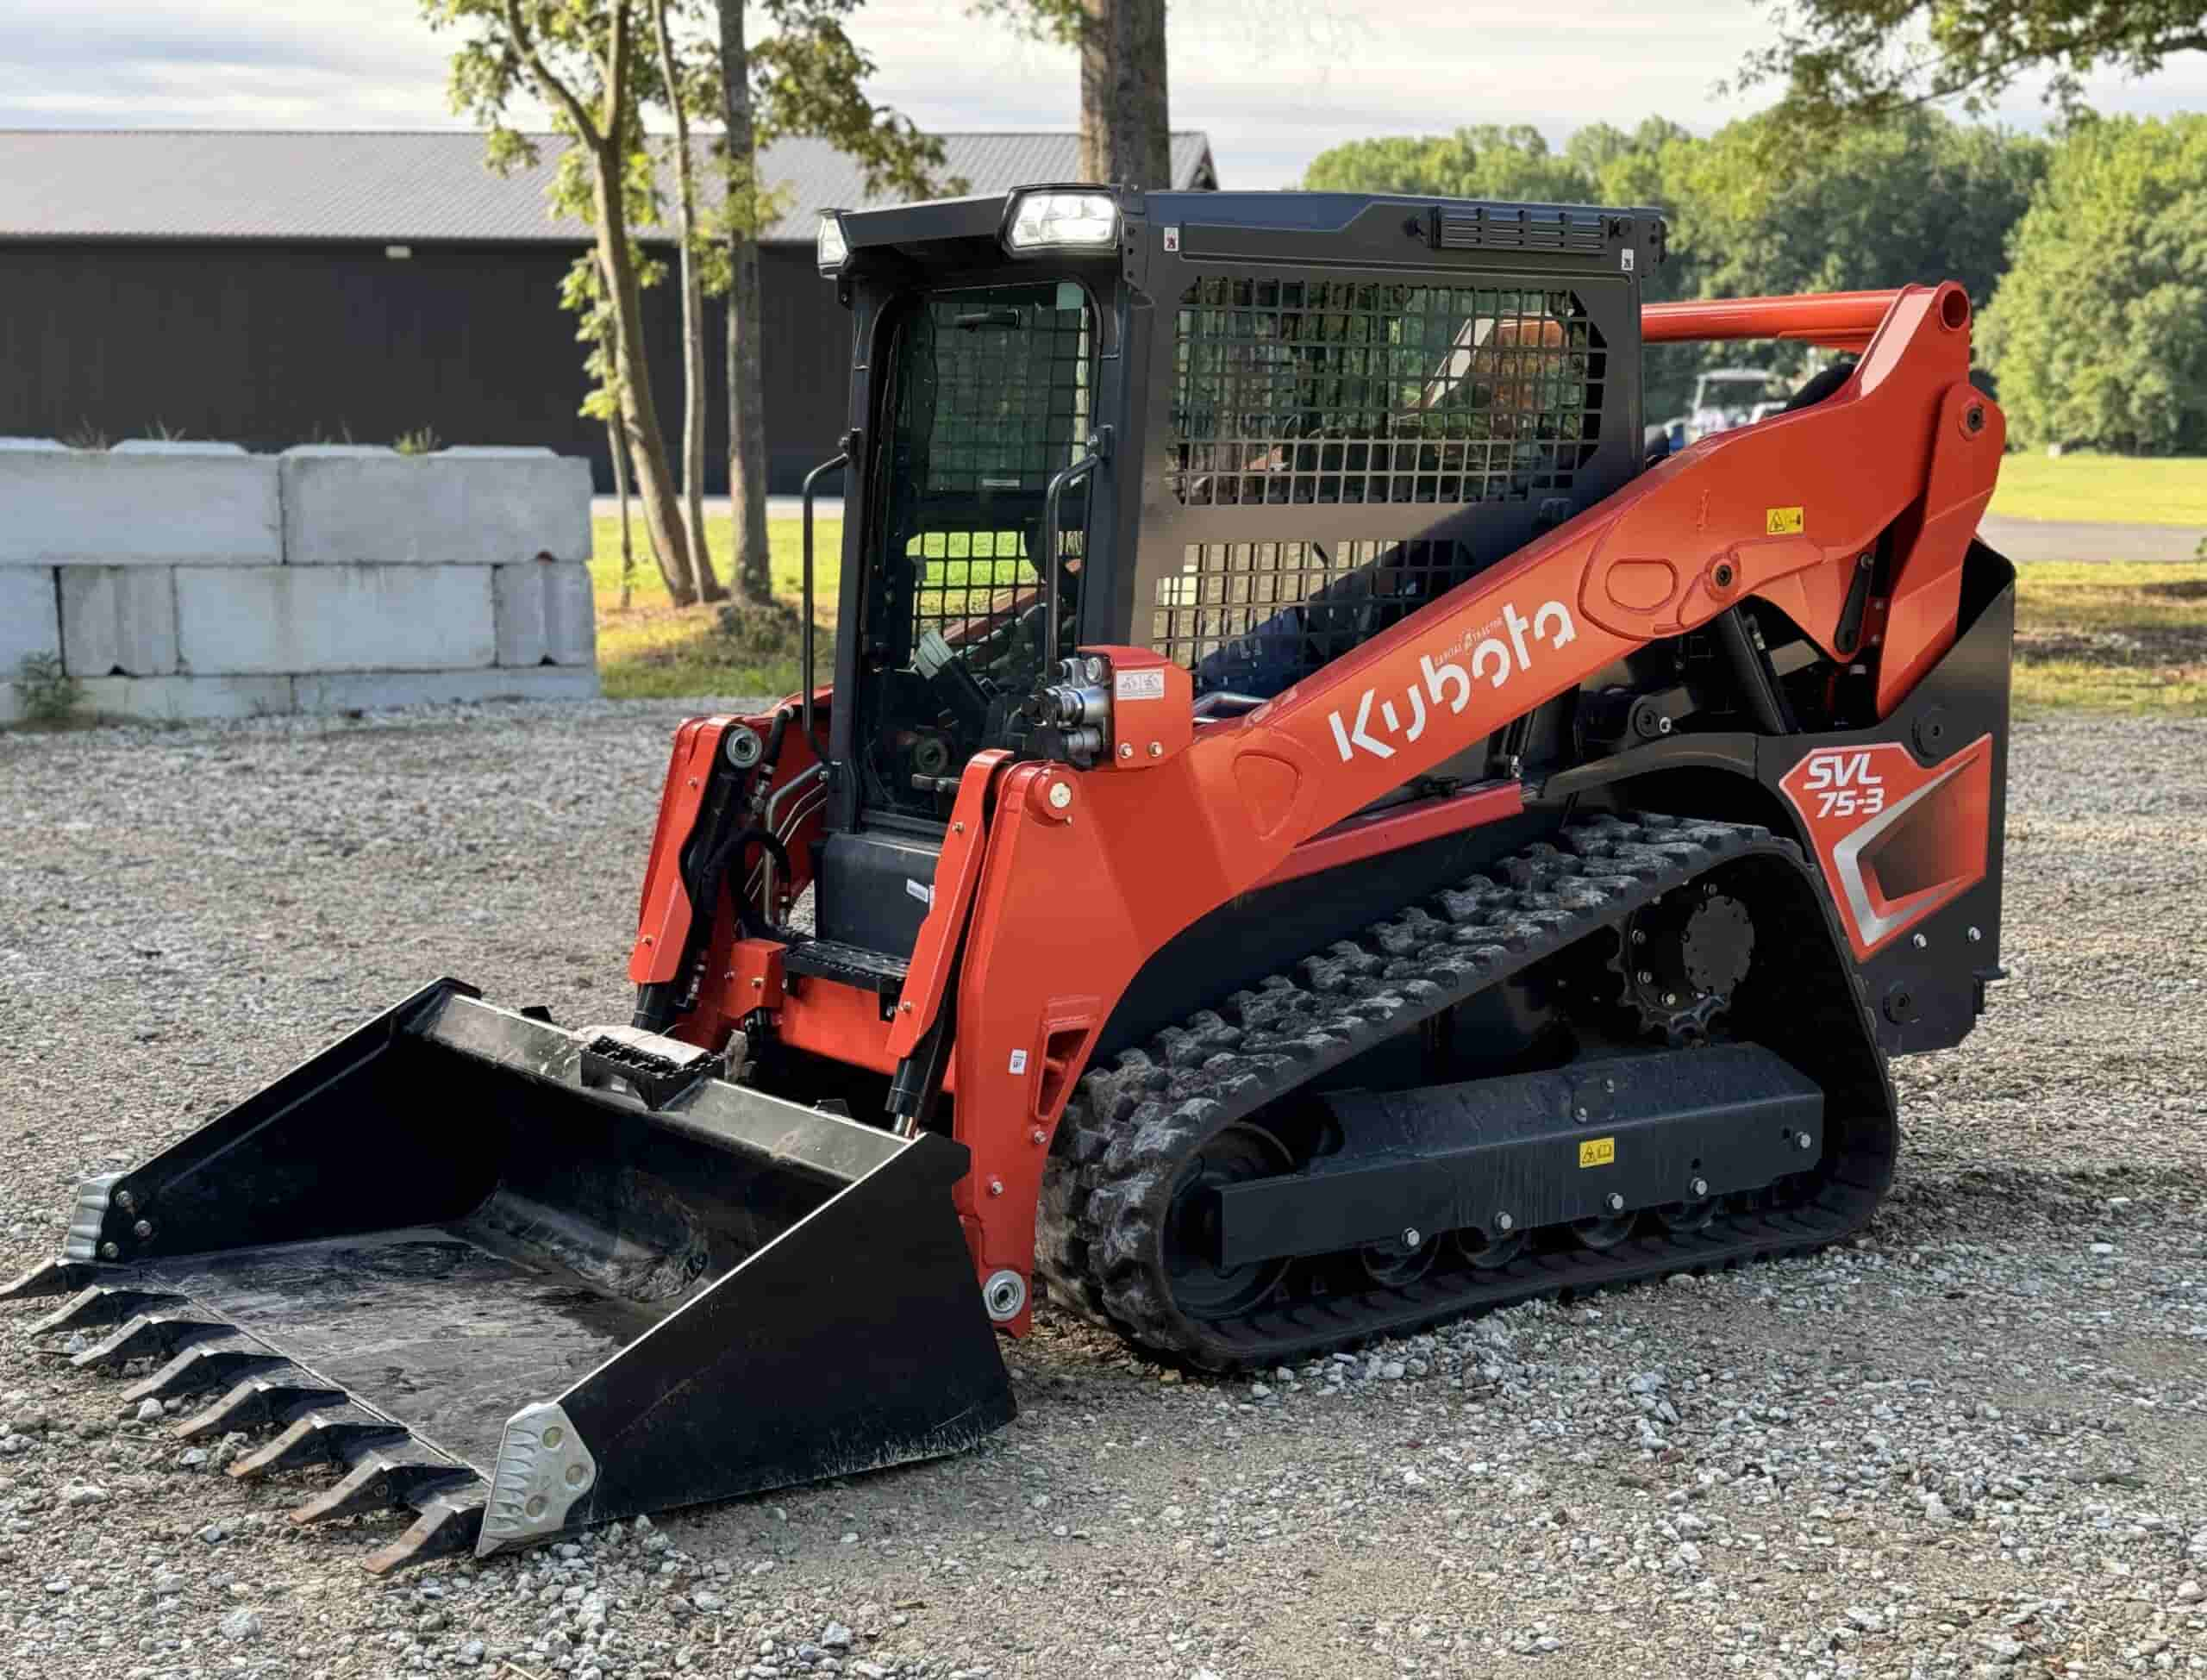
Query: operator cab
{"type": "Point", "coordinates": [1246, 431]}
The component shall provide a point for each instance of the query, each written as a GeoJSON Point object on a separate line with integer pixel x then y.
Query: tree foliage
{"type": "Point", "coordinates": [1844, 61]}
{"type": "Point", "coordinates": [1918, 197]}
{"type": "Point", "coordinates": [605, 70]}
{"type": "Point", "coordinates": [590, 63]}
{"type": "Point", "coordinates": [2098, 332]}
{"type": "Point", "coordinates": [1126, 131]}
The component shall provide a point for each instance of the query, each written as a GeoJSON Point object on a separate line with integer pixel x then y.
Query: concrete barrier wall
{"type": "Point", "coordinates": [180, 580]}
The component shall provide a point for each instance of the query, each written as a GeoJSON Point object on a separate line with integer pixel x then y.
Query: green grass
{"type": "Point", "coordinates": [2124, 639]}
{"type": "Point", "coordinates": [657, 651]}
{"type": "Point", "coordinates": [2130, 489]}
{"type": "Point", "coordinates": [2128, 639]}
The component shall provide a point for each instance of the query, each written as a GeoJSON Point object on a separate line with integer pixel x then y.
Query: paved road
{"type": "Point", "coordinates": [2090, 539]}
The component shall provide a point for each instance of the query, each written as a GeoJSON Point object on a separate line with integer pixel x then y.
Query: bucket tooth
{"type": "Point", "coordinates": [448, 1522]}
{"type": "Point", "coordinates": [148, 1335]}
{"type": "Point", "coordinates": [214, 1364]}
{"type": "Point", "coordinates": [99, 1305]}
{"type": "Point", "coordinates": [379, 1481]}
{"type": "Point", "coordinates": [257, 1401]}
{"type": "Point", "coordinates": [318, 1439]}
{"type": "Point", "coordinates": [52, 1277]}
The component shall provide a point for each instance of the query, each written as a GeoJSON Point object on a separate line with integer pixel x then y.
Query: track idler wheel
{"type": "Point", "coordinates": [1486, 1251]}
{"type": "Point", "coordinates": [1684, 1218]}
{"type": "Point", "coordinates": [1201, 1287]}
{"type": "Point", "coordinates": [1603, 1233]}
{"type": "Point", "coordinates": [1393, 1264]}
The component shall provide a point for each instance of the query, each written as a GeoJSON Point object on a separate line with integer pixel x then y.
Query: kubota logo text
{"type": "Point", "coordinates": [1496, 657]}
{"type": "Point", "coordinates": [1844, 783]}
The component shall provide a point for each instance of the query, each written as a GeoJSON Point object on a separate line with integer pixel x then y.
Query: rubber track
{"type": "Point", "coordinates": [1127, 1128]}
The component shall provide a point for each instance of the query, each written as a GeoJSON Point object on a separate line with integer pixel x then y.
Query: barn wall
{"type": "Point", "coordinates": [270, 345]}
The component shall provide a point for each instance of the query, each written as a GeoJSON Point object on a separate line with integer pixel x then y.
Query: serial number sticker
{"type": "Point", "coordinates": [1597, 1152]}
{"type": "Point", "coordinates": [1784, 521]}
{"type": "Point", "coordinates": [1139, 685]}
{"type": "Point", "coordinates": [1019, 1061]}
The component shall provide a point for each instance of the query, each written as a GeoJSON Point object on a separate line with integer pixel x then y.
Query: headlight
{"type": "Point", "coordinates": [1054, 221]}
{"type": "Point", "coordinates": [833, 252]}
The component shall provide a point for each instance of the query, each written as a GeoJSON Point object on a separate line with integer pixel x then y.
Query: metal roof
{"type": "Point", "coordinates": [181, 183]}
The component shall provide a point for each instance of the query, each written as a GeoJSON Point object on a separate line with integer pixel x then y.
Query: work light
{"type": "Point", "coordinates": [829, 243]}
{"type": "Point", "coordinates": [1059, 220]}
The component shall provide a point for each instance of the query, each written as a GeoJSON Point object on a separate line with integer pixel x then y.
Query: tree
{"type": "Point", "coordinates": [1126, 130]}
{"type": "Point", "coordinates": [2098, 332]}
{"type": "Point", "coordinates": [1917, 197]}
{"type": "Point", "coordinates": [1845, 61]}
{"type": "Point", "coordinates": [580, 58]}
{"type": "Point", "coordinates": [806, 78]}
{"type": "Point", "coordinates": [693, 305]}
{"type": "Point", "coordinates": [1482, 161]}
{"type": "Point", "coordinates": [1914, 198]}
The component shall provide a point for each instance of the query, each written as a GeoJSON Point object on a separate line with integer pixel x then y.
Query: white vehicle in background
{"type": "Point", "coordinates": [1727, 396]}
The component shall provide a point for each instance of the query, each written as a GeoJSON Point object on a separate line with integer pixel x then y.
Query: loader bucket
{"type": "Point", "coordinates": [525, 1280]}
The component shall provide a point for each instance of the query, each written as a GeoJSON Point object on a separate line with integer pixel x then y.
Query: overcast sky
{"type": "Point", "coordinates": [1272, 83]}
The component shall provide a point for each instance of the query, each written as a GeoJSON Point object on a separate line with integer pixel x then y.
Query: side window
{"type": "Point", "coordinates": [1353, 391]}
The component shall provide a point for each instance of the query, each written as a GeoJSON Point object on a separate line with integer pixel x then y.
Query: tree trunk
{"type": "Point", "coordinates": [1126, 136]}
{"type": "Point", "coordinates": [619, 450]}
{"type": "Point", "coordinates": [639, 419]}
{"type": "Point", "coordinates": [747, 383]}
{"type": "Point", "coordinates": [693, 319]}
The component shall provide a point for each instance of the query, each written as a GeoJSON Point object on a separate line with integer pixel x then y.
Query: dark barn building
{"type": "Point", "coordinates": [273, 288]}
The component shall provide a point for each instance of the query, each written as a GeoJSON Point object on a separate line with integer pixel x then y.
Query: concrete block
{"type": "Point", "coordinates": [175, 699]}
{"type": "Point", "coordinates": [118, 620]}
{"type": "Point", "coordinates": [176, 447]}
{"type": "Point", "coordinates": [252, 620]}
{"type": "Point", "coordinates": [379, 690]}
{"type": "Point", "coordinates": [476, 508]}
{"type": "Point", "coordinates": [41, 445]}
{"type": "Point", "coordinates": [81, 506]}
{"type": "Point", "coordinates": [547, 614]}
{"type": "Point", "coordinates": [30, 622]}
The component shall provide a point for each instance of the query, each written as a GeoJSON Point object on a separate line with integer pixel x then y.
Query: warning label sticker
{"type": "Point", "coordinates": [1139, 685]}
{"type": "Point", "coordinates": [1784, 521]}
{"type": "Point", "coordinates": [1597, 1152]}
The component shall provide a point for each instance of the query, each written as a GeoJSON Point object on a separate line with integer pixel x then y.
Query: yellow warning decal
{"type": "Point", "coordinates": [1597, 1152]}
{"type": "Point", "coordinates": [1784, 521]}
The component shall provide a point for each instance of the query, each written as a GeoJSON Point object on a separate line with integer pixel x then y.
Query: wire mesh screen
{"type": "Point", "coordinates": [966, 583]}
{"type": "Point", "coordinates": [996, 399]}
{"type": "Point", "coordinates": [1359, 392]}
{"type": "Point", "coordinates": [1253, 617]}
{"type": "Point", "coordinates": [1009, 388]}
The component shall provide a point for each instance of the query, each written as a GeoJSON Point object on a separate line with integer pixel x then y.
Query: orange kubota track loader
{"type": "Point", "coordinates": [1312, 833]}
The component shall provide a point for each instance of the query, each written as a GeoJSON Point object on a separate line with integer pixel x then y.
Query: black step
{"type": "Point", "coordinates": [847, 966]}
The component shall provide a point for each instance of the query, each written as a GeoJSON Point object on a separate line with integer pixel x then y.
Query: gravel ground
{"type": "Point", "coordinates": [1972, 1443]}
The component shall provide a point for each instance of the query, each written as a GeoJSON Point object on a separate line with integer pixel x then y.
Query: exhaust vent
{"type": "Point", "coordinates": [1517, 228]}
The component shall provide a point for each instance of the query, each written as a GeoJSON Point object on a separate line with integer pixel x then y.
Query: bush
{"type": "Point", "coordinates": [763, 630]}
{"type": "Point", "coordinates": [49, 694]}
